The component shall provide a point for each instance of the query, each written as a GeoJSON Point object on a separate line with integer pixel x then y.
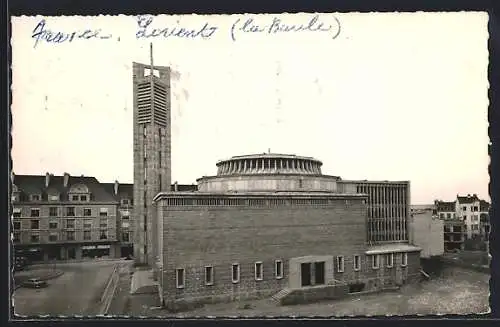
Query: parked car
{"type": "Point", "coordinates": [35, 283]}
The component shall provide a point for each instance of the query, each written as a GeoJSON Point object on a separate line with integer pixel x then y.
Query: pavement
{"type": "Point", "coordinates": [76, 292]}
{"type": "Point", "coordinates": [456, 291]}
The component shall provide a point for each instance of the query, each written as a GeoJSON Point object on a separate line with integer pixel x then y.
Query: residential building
{"type": "Point", "coordinates": [63, 217]}
{"type": "Point", "coordinates": [426, 230]}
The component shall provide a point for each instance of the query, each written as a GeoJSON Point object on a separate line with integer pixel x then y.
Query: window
{"type": "Point", "coordinates": [448, 215]}
{"type": "Point", "coordinates": [16, 237]}
{"type": "Point", "coordinates": [53, 212]}
{"type": "Point", "coordinates": [375, 261]}
{"type": "Point", "coordinates": [103, 212]}
{"type": "Point", "coordinates": [70, 235]}
{"type": "Point", "coordinates": [35, 212]}
{"type": "Point", "coordinates": [465, 218]}
{"type": "Point", "coordinates": [35, 238]}
{"type": "Point", "coordinates": [74, 198]}
{"type": "Point", "coordinates": [87, 212]}
{"type": "Point", "coordinates": [35, 224]}
{"type": "Point", "coordinates": [17, 225]}
{"type": "Point", "coordinates": [87, 223]}
{"type": "Point", "coordinates": [475, 208]}
{"type": "Point", "coordinates": [357, 263]}
{"type": "Point", "coordinates": [35, 197]}
{"type": "Point", "coordinates": [103, 223]}
{"type": "Point", "coordinates": [52, 224]}
{"type": "Point", "coordinates": [16, 212]}
{"type": "Point", "coordinates": [70, 223]}
{"type": "Point", "coordinates": [180, 278]}
{"type": "Point", "coordinates": [475, 218]}
{"type": "Point", "coordinates": [404, 259]}
{"type": "Point", "coordinates": [278, 270]}
{"type": "Point", "coordinates": [441, 215]}
{"type": "Point", "coordinates": [87, 235]}
{"type": "Point", "coordinates": [235, 272]}
{"type": "Point", "coordinates": [103, 235]}
{"type": "Point", "coordinates": [70, 211]}
{"type": "Point", "coordinates": [125, 202]}
{"type": "Point", "coordinates": [125, 224]}
{"type": "Point", "coordinates": [52, 237]}
{"type": "Point", "coordinates": [54, 198]}
{"type": "Point", "coordinates": [259, 271]}
{"type": "Point", "coordinates": [83, 198]}
{"type": "Point", "coordinates": [209, 275]}
{"type": "Point", "coordinates": [464, 208]}
{"type": "Point", "coordinates": [340, 263]}
{"type": "Point", "coordinates": [125, 237]}
{"type": "Point", "coordinates": [389, 258]}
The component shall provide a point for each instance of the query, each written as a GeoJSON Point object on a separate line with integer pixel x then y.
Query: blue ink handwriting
{"type": "Point", "coordinates": [144, 30]}
{"type": "Point", "coordinates": [41, 33]}
{"type": "Point", "coordinates": [278, 26]}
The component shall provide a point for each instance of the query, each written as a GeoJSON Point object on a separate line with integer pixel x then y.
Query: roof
{"type": "Point", "coordinates": [484, 205]}
{"type": "Point", "coordinates": [35, 184]}
{"type": "Point", "coordinates": [392, 248]}
{"type": "Point", "coordinates": [304, 195]}
{"type": "Point", "coordinates": [270, 155]}
{"type": "Point", "coordinates": [125, 190]}
{"type": "Point", "coordinates": [184, 187]}
{"type": "Point", "coordinates": [445, 206]}
{"type": "Point", "coordinates": [467, 199]}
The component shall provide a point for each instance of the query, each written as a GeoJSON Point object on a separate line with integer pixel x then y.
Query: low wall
{"type": "Point", "coordinates": [109, 290]}
{"type": "Point", "coordinates": [315, 294]}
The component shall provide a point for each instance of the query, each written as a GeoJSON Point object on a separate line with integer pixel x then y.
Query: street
{"type": "Point", "coordinates": [77, 291]}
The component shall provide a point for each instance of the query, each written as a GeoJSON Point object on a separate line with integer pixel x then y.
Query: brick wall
{"type": "Point", "coordinates": [220, 236]}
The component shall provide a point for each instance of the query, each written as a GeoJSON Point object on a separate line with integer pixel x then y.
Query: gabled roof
{"type": "Point", "coordinates": [125, 191]}
{"type": "Point", "coordinates": [35, 184]}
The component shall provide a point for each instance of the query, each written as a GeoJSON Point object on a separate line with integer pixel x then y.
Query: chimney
{"type": "Point", "coordinates": [175, 187]}
{"type": "Point", "coordinates": [47, 180]}
{"type": "Point", "coordinates": [66, 179]}
{"type": "Point", "coordinates": [116, 187]}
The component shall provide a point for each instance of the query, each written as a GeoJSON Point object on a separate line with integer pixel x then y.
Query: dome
{"type": "Point", "coordinates": [268, 172]}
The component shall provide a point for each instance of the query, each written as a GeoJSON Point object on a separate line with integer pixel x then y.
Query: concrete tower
{"type": "Point", "coordinates": [152, 169]}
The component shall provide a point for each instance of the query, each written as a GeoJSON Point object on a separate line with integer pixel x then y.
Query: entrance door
{"type": "Point", "coordinates": [319, 273]}
{"type": "Point", "coordinates": [71, 253]}
{"type": "Point", "coordinates": [305, 274]}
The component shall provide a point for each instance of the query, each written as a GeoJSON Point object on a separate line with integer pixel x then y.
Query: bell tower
{"type": "Point", "coordinates": [152, 163]}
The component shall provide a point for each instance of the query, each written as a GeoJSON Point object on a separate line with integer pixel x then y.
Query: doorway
{"type": "Point", "coordinates": [319, 273]}
{"type": "Point", "coordinates": [305, 274]}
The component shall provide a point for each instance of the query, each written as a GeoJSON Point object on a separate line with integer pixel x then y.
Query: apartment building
{"type": "Point", "coordinates": [64, 217]}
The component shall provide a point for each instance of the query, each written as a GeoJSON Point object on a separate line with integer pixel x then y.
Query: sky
{"type": "Point", "coordinates": [399, 96]}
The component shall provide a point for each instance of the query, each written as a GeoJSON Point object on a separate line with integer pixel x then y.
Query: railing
{"type": "Point", "coordinates": [109, 290]}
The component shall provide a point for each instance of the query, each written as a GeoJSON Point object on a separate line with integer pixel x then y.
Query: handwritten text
{"type": "Point", "coordinates": [276, 25]}
{"type": "Point", "coordinates": [41, 33]}
{"type": "Point", "coordinates": [145, 31]}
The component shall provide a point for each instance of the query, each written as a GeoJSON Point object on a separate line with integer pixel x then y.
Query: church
{"type": "Point", "coordinates": [265, 225]}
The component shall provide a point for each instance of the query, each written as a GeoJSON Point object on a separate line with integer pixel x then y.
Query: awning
{"type": "Point", "coordinates": [392, 248]}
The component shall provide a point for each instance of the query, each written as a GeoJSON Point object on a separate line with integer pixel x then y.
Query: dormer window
{"type": "Point", "coordinates": [74, 198]}
{"type": "Point", "coordinates": [83, 198]}
{"type": "Point", "coordinates": [53, 197]}
{"type": "Point", "coordinates": [35, 197]}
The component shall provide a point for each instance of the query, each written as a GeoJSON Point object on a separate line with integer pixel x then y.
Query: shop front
{"type": "Point", "coordinates": [96, 251]}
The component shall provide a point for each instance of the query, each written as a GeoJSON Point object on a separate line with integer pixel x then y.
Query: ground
{"type": "Point", "coordinates": [457, 291]}
{"type": "Point", "coordinates": [76, 292]}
